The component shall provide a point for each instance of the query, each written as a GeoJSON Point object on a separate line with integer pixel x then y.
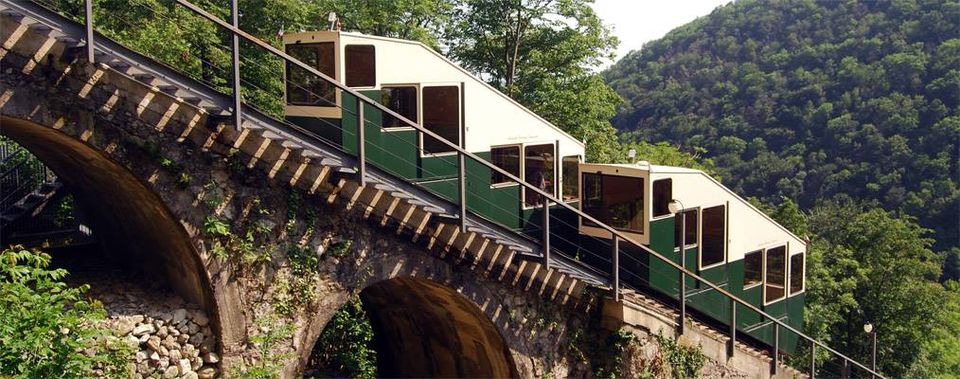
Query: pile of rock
{"type": "Point", "coordinates": [172, 337]}
{"type": "Point", "coordinates": [172, 344]}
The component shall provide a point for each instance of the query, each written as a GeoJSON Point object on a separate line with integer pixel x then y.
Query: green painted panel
{"type": "Point", "coordinates": [501, 204]}
{"type": "Point", "coordinates": [326, 128]}
{"type": "Point", "coordinates": [446, 189]}
{"type": "Point", "coordinates": [443, 166]}
{"type": "Point", "coordinates": [708, 300]}
{"type": "Point", "coordinates": [662, 276]}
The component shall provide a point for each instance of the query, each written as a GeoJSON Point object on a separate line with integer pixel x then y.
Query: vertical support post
{"type": "Point", "coordinates": [88, 20]}
{"type": "Point", "coordinates": [463, 160]}
{"type": "Point", "coordinates": [845, 371]}
{"type": "Point", "coordinates": [683, 276]}
{"type": "Point", "coordinates": [873, 356]}
{"type": "Point", "coordinates": [616, 268]}
{"type": "Point", "coordinates": [546, 231]}
{"type": "Point", "coordinates": [462, 190]}
{"type": "Point", "coordinates": [361, 145]}
{"type": "Point", "coordinates": [235, 18]}
{"type": "Point", "coordinates": [776, 348]}
{"type": "Point", "coordinates": [813, 359]}
{"type": "Point", "coordinates": [733, 328]}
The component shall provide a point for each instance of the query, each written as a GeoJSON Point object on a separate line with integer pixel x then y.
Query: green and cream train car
{"type": "Point", "coordinates": [423, 86]}
{"type": "Point", "coordinates": [728, 241]}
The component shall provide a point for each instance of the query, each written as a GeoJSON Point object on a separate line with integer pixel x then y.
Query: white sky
{"type": "Point", "coordinates": [639, 21]}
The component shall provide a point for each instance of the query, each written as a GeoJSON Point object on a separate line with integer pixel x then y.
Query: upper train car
{"type": "Point", "coordinates": [425, 87]}
{"type": "Point", "coordinates": [728, 241]}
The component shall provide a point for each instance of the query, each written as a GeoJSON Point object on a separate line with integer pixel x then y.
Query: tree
{"type": "Point", "coordinates": [810, 100]}
{"type": "Point", "coordinates": [542, 54]}
{"type": "Point", "coordinates": [48, 329]}
{"type": "Point", "coordinates": [940, 351]}
{"type": "Point", "coordinates": [866, 265]}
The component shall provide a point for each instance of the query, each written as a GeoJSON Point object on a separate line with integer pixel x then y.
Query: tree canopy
{"type": "Point", "coordinates": [811, 99]}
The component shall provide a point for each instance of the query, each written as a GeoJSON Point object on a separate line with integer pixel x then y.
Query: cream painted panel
{"type": "Point", "coordinates": [748, 229]}
{"type": "Point", "coordinates": [491, 118]}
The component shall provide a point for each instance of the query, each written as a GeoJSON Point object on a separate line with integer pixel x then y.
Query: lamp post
{"type": "Point", "coordinates": [676, 207]}
{"type": "Point", "coordinates": [868, 327]}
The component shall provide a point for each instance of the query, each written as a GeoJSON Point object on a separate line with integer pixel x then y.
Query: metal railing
{"type": "Point", "coordinates": [22, 174]}
{"type": "Point", "coordinates": [548, 198]}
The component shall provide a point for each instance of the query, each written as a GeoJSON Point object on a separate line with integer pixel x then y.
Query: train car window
{"type": "Point", "coordinates": [776, 278]}
{"type": "Point", "coordinates": [441, 115]}
{"type": "Point", "coordinates": [304, 88]}
{"type": "Point", "coordinates": [592, 196]}
{"type": "Point", "coordinates": [691, 230]}
{"type": "Point", "coordinates": [570, 186]}
{"type": "Point", "coordinates": [402, 100]}
{"type": "Point", "coordinates": [507, 158]}
{"type": "Point", "coordinates": [796, 274]}
{"type": "Point", "coordinates": [360, 66]}
{"type": "Point", "coordinates": [752, 268]}
{"type": "Point", "coordinates": [714, 236]}
{"type": "Point", "coordinates": [538, 164]}
{"type": "Point", "coordinates": [662, 194]}
{"type": "Point", "coordinates": [614, 200]}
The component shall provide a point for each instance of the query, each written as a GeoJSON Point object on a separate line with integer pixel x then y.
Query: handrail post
{"type": "Point", "coordinates": [776, 348]}
{"type": "Point", "coordinates": [546, 232]}
{"type": "Point", "coordinates": [616, 268]}
{"type": "Point", "coordinates": [683, 276]}
{"type": "Point", "coordinates": [813, 359]}
{"type": "Point", "coordinates": [88, 21]}
{"type": "Point", "coordinates": [235, 16]}
{"type": "Point", "coordinates": [845, 371]}
{"type": "Point", "coordinates": [361, 145]}
{"type": "Point", "coordinates": [733, 328]}
{"type": "Point", "coordinates": [462, 191]}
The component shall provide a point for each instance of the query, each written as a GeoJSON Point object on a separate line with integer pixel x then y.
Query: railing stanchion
{"type": "Point", "coordinates": [235, 17]}
{"type": "Point", "coordinates": [733, 328]}
{"type": "Point", "coordinates": [845, 371]}
{"type": "Point", "coordinates": [616, 268]}
{"type": "Point", "coordinates": [682, 296]}
{"type": "Point", "coordinates": [88, 20]}
{"type": "Point", "coordinates": [776, 348]}
{"type": "Point", "coordinates": [361, 145]}
{"type": "Point", "coordinates": [813, 360]}
{"type": "Point", "coordinates": [462, 189]}
{"type": "Point", "coordinates": [546, 232]}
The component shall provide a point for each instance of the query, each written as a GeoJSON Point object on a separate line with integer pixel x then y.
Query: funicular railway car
{"type": "Point", "coordinates": [727, 240]}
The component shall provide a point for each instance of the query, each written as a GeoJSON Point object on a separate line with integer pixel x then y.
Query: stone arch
{"type": "Point", "coordinates": [127, 214]}
{"type": "Point", "coordinates": [425, 329]}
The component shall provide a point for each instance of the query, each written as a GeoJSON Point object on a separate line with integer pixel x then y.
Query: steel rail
{"type": "Point", "coordinates": [614, 233]}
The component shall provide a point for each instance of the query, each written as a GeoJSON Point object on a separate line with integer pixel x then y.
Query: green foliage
{"type": "Point", "coordinates": [865, 265]}
{"type": "Point", "coordinates": [684, 361]}
{"type": "Point", "coordinates": [273, 332]}
{"type": "Point", "coordinates": [49, 330]}
{"type": "Point", "coordinates": [64, 212]}
{"type": "Point", "coordinates": [940, 351]}
{"type": "Point", "coordinates": [346, 346]}
{"type": "Point", "coordinates": [809, 100]}
{"type": "Point", "coordinates": [542, 54]}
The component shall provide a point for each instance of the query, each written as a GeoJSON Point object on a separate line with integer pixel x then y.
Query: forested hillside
{"type": "Point", "coordinates": [812, 100]}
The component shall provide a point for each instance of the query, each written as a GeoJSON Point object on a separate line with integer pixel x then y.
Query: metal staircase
{"type": "Point", "coordinates": [519, 254]}
{"type": "Point", "coordinates": [25, 183]}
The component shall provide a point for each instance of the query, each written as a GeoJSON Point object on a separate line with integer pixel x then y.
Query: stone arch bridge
{"type": "Point", "coordinates": [226, 217]}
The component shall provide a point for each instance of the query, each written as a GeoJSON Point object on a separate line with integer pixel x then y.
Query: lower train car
{"type": "Point", "coordinates": [726, 240]}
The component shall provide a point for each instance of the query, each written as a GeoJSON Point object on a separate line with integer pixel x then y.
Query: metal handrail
{"type": "Point", "coordinates": [463, 153]}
